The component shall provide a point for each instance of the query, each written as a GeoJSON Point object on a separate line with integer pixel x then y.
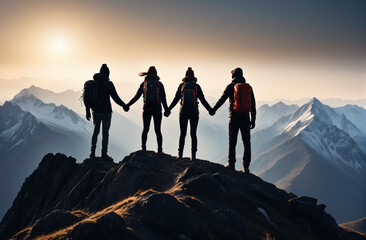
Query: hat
{"type": "Point", "coordinates": [189, 72]}
{"type": "Point", "coordinates": [152, 71]}
{"type": "Point", "coordinates": [105, 70]}
{"type": "Point", "coordinates": [237, 72]}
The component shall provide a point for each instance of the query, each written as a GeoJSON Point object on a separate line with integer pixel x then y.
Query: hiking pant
{"type": "Point", "coordinates": [183, 123]}
{"type": "Point", "coordinates": [239, 122]}
{"type": "Point", "coordinates": [146, 117]}
{"type": "Point", "coordinates": [105, 119]}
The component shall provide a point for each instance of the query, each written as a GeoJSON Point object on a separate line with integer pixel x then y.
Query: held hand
{"type": "Point", "coordinates": [126, 108]}
{"type": "Point", "coordinates": [252, 124]}
{"type": "Point", "coordinates": [167, 113]}
{"type": "Point", "coordinates": [88, 116]}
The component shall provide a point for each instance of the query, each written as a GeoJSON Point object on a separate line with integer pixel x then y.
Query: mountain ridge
{"type": "Point", "coordinates": [152, 196]}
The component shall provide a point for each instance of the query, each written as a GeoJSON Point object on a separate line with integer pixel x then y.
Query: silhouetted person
{"type": "Point", "coordinates": [188, 92]}
{"type": "Point", "coordinates": [154, 95]}
{"type": "Point", "coordinates": [242, 102]}
{"type": "Point", "coordinates": [102, 90]}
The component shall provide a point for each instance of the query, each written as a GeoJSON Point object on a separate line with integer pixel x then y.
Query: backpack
{"type": "Point", "coordinates": [242, 98]}
{"type": "Point", "coordinates": [151, 93]}
{"type": "Point", "coordinates": [90, 94]}
{"type": "Point", "coordinates": [189, 95]}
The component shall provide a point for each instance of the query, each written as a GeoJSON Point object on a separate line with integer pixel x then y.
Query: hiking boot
{"type": "Point", "coordinates": [107, 157]}
{"type": "Point", "coordinates": [92, 152]}
{"type": "Point", "coordinates": [230, 166]}
{"type": "Point", "coordinates": [246, 169]}
{"type": "Point", "coordinates": [180, 154]}
{"type": "Point", "coordinates": [193, 155]}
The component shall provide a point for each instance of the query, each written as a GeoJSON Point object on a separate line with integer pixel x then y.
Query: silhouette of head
{"type": "Point", "coordinates": [189, 72]}
{"type": "Point", "coordinates": [151, 71]}
{"type": "Point", "coordinates": [237, 72]}
{"type": "Point", "coordinates": [104, 70]}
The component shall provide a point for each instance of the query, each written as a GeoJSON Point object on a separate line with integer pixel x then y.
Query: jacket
{"type": "Point", "coordinates": [141, 91]}
{"type": "Point", "coordinates": [229, 93]}
{"type": "Point", "coordinates": [105, 90]}
{"type": "Point", "coordinates": [200, 96]}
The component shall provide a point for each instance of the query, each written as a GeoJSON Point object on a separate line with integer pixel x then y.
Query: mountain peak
{"type": "Point", "coordinates": [155, 196]}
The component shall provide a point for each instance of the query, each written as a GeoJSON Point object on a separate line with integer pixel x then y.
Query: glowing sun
{"type": "Point", "coordinates": [60, 45]}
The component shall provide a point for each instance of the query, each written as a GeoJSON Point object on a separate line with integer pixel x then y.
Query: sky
{"type": "Point", "coordinates": [288, 49]}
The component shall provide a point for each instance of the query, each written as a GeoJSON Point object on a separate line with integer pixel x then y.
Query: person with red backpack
{"type": "Point", "coordinates": [242, 103]}
{"type": "Point", "coordinates": [154, 95]}
{"type": "Point", "coordinates": [188, 92]}
{"type": "Point", "coordinates": [96, 97]}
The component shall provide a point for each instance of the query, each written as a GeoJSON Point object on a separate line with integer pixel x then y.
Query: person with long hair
{"type": "Point", "coordinates": [188, 93]}
{"type": "Point", "coordinates": [154, 96]}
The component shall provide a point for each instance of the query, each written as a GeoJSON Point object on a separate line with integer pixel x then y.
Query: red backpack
{"type": "Point", "coordinates": [242, 98]}
{"type": "Point", "coordinates": [189, 95]}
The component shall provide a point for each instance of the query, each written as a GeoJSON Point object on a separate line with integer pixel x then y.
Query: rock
{"type": "Point", "coordinates": [86, 231]}
{"type": "Point", "coordinates": [113, 225]}
{"type": "Point", "coordinates": [204, 185]}
{"type": "Point", "coordinates": [306, 207]}
{"type": "Point", "coordinates": [303, 225]}
{"type": "Point", "coordinates": [52, 222]}
{"type": "Point", "coordinates": [166, 212]}
{"type": "Point", "coordinates": [188, 173]}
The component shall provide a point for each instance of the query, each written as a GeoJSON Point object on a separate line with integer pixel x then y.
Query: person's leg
{"type": "Point", "coordinates": [106, 121]}
{"type": "Point", "coordinates": [146, 118]}
{"type": "Point", "coordinates": [96, 122]}
{"type": "Point", "coordinates": [245, 135]}
{"type": "Point", "coordinates": [194, 123]}
{"type": "Point", "coordinates": [157, 126]}
{"type": "Point", "coordinates": [233, 136]}
{"type": "Point", "coordinates": [183, 122]}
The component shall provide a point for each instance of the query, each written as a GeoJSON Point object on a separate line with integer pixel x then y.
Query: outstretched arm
{"type": "Point", "coordinates": [176, 98]}
{"type": "Point", "coordinates": [163, 97]}
{"type": "Point", "coordinates": [222, 100]}
{"type": "Point", "coordinates": [137, 96]}
{"type": "Point", "coordinates": [115, 96]}
{"type": "Point", "coordinates": [202, 99]}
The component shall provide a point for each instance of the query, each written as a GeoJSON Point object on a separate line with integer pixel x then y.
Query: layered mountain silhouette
{"type": "Point", "coordinates": [313, 152]}
{"type": "Point", "coordinates": [152, 196]}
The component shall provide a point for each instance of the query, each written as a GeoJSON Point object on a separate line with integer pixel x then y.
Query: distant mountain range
{"type": "Point", "coordinates": [313, 151]}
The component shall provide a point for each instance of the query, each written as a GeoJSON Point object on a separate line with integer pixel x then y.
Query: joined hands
{"type": "Point", "coordinates": [126, 108]}
{"type": "Point", "coordinates": [167, 113]}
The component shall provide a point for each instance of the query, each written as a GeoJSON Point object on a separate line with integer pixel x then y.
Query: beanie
{"type": "Point", "coordinates": [237, 72]}
{"type": "Point", "coordinates": [104, 70]}
{"type": "Point", "coordinates": [152, 71]}
{"type": "Point", "coordinates": [189, 72]}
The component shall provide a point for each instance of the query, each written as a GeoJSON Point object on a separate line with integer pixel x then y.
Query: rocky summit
{"type": "Point", "coordinates": [152, 196]}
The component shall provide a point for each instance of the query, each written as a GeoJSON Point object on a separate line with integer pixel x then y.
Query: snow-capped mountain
{"type": "Point", "coordinates": [23, 140]}
{"type": "Point", "coordinates": [356, 115]}
{"type": "Point", "coordinates": [68, 98]}
{"type": "Point", "coordinates": [268, 115]}
{"type": "Point", "coordinates": [312, 152]}
{"type": "Point", "coordinates": [58, 117]}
